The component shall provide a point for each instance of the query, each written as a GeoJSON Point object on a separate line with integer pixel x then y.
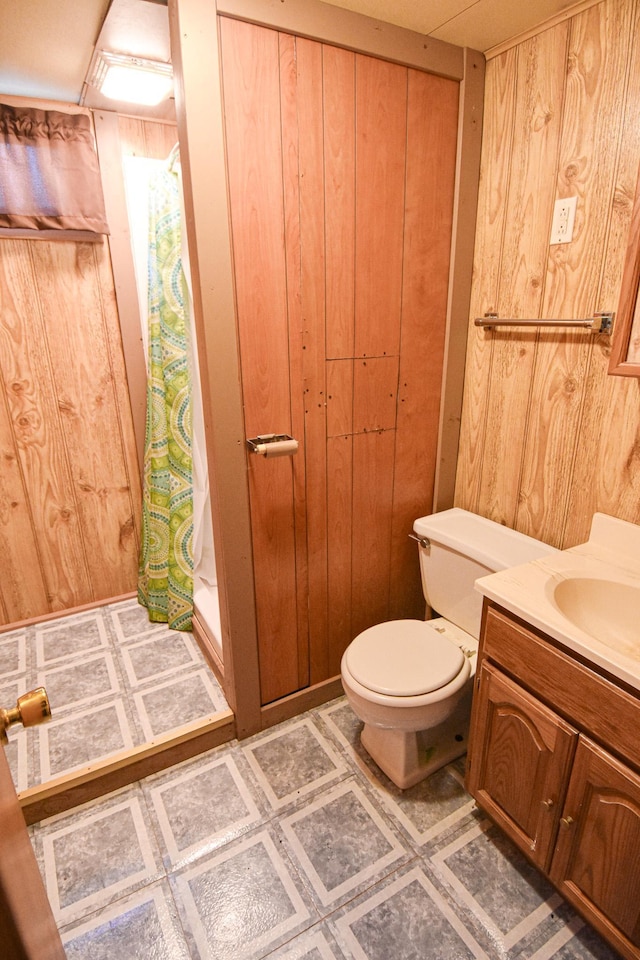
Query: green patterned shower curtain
{"type": "Point", "coordinates": [165, 576]}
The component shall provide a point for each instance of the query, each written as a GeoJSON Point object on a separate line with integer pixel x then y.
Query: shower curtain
{"type": "Point", "coordinates": [165, 577]}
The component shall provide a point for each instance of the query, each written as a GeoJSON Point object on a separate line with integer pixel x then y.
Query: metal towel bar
{"type": "Point", "coordinates": [598, 323]}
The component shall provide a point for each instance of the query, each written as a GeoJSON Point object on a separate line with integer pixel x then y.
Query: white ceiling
{"type": "Point", "coordinates": [46, 46]}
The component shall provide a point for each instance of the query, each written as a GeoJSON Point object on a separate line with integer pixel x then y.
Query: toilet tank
{"type": "Point", "coordinates": [463, 547]}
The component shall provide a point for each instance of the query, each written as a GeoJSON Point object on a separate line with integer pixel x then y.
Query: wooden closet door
{"type": "Point", "coordinates": [341, 172]}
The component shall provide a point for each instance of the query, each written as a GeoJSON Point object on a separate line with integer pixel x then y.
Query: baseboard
{"type": "Point", "coordinates": [300, 701]}
{"type": "Point", "coordinates": [104, 776]}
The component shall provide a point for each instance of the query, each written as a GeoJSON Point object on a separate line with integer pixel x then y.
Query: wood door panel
{"type": "Point", "coordinates": [339, 77]}
{"type": "Point", "coordinates": [597, 859]}
{"type": "Point", "coordinates": [290, 175]}
{"type": "Point", "coordinates": [271, 493]}
{"type": "Point", "coordinates": [381, 131]}
{"type": "Point", "coordinates": [311, 191]}
{"type": "Point", "coordinates": [339, 397]}
{"type": "Point", "coordinates": [252, 95]}
{"type": "Point", "coordinates": [329, 219]}
{"type": "Point", "coordinates": [372, 519]}
{"type": "Point", "coordinates": [375, 392]}
{"type": "Point", "coordinates": [340, 549]}
{"type": "Point", "coordinates": [431, 151]}
{"type": "Point", "coordinates": [250, 57]}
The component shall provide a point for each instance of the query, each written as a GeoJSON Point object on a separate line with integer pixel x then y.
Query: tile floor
{"type": "Point", "coordinates": [292, 845]}
{"type": "Point", "coordinates": [114, 680]}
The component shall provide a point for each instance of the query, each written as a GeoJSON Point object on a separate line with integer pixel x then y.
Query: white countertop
{"type": "Point", "coordinates": [612, 553]}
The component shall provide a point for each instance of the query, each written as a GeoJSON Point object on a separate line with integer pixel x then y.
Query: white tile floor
{"type": "Point", "coordinates": [114, 681]}
{"type": "Point", "coordinates": [292, 845]}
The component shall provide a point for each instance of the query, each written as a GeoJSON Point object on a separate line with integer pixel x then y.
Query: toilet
{"type": "Point", "coordinates": [410, 681]}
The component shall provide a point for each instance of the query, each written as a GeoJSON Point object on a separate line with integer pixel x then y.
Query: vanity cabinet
{"type": "Point", "coordinates": [554, 759]}
{"type": "Point", "coordinates": [524, 752]}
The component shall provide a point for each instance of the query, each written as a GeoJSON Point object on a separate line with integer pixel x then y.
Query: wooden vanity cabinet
{"type": "Point", "coordinates": [524, 754]}
{"type": "Point", "coordinates": [569, 803]}
{"type": "Point", "coordinates": [596, 863]}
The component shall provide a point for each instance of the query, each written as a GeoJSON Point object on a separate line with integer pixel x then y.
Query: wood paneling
{"type": "Point", "coordinates": [146, 138]}
{"type": "Point", "coordinates": [497, 145]}
{"type": "Point", "coordinates": [547, 437]}
{"type": "Point", "coordinates": [72, 536]}
{"type": "Point", "coordinates": [431, 150]}
{"type": "Point", "coordinates": [251, 78]}
{"type": "Point", "coordinates": [70, 487]}
{"type": "Point", "coordinates": [381, 143]}
{"type": "Point", "coordinates": [341, 181]}
{"type": "Point", "coordinates": [339, 77]}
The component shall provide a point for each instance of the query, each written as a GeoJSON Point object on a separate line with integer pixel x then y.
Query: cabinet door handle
{"type": "Point", "coordinates": [547, 804]}
{"type": "Point", "coordinates": [566, 821]}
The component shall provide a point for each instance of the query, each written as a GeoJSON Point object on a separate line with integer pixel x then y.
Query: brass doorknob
{"type": "Point", "coordinates": [30, 709]}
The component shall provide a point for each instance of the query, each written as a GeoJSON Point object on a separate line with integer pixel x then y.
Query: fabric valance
{"type": "Point", "coordinates": [49, 173]}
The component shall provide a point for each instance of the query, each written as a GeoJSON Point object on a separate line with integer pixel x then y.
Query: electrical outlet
{"type": "Point", "coordinates": [564, 215]}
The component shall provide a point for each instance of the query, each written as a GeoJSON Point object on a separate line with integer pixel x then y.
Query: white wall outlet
{"type": "Point", "coordinates": [564, 215]}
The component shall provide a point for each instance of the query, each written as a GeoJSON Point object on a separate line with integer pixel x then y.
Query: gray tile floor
{"type": "Point", "coordinates": [292, 845]}
{"type": "Point", "coordinates": [115, 681]}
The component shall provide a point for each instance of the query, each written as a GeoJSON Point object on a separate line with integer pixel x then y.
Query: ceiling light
{"type": "Point", "coordinates": [131, 79]}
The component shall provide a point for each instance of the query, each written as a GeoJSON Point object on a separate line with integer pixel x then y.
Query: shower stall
{"type": "Point", "coordinates": [139, 173]}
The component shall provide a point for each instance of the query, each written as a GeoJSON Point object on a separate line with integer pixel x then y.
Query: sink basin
{"type": "Point", "coordinates": [607, 610]}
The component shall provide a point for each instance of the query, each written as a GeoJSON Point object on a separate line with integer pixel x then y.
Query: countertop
{"type": "Point", "coordinates": [612, 554]}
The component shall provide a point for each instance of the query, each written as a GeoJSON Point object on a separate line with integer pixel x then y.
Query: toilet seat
{"type": "Point", "coordinates": [403, 658]}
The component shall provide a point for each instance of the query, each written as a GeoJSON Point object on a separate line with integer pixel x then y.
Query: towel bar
{"type": "Point", "coordinates": [598, 323]}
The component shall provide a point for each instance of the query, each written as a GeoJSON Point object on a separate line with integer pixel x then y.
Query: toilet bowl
{"type": "Point", "coordinates": [410, 681]}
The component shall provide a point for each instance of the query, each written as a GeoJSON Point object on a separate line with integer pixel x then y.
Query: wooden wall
{"type": "Point", "coordinates": [69, 485]}
{"type": "Point", "coordinates": [548, 438]}
{"type": "Point", "coordinates": [341, 183]}
{"type": "Point", "coordinates": [146, 138]}
{"type": "Point", "coordinates": [69, 494]}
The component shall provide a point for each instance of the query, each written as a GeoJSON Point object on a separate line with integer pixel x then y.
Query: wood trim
{"type": "Point", "coordinates": [28, 929]}
{"type": "Point", "coordinates": [56, 614]}
{"type": "Point", "coordinates": [196, 60]}
{"type": "Point", "coordinates": [628, 302]}
{"type": "Point", "coordinates": [80, 236]}
{"type": "Point", "coordinates": [34, 102]}
{"type": "Point", "coordinates": [124, 279]}
{"type": "Point", "coordinates": [579, 692]}
{"type": "Point", "coordinates": [202, 636]}
{"type": "Point", "coordinates": [104, 776]}
{"type": "Point", "coordinates": [299, 702]}
{"type": "Point", "coordinates": [198, 100]}
{"type": "Point", "coordinates": [354, 31]}
{"type": "Point", "coordinates": [553, 21]}
{"type": "Point", "coordinates": [460, 275]}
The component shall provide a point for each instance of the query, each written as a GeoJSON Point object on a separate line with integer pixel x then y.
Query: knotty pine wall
{"type": "Point", "coordinates": [547, 437]}
{"type": "Point", "coordinates": [70, 485]}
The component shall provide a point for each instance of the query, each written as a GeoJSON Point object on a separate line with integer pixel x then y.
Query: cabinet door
{"type": "Point", "coordinates": [519, 761]}
{"type": "Point", "coordinates": [596, 864]}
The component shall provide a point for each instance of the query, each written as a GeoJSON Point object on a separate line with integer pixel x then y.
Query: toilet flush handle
{"type": "Point", "coordinates": [423, 541]}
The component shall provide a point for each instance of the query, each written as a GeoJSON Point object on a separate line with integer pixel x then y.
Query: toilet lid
{"type": "Point", "coordinates": [403, 658]}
